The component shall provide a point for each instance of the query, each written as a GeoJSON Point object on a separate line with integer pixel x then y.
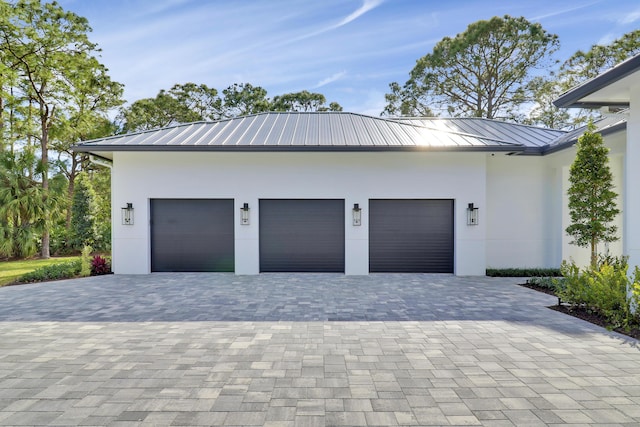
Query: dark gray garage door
{"type": "Point", "coordinates": [411, 236]}
{"type": "Point", "coordinates": [302, 235]}
{"type": "Point", "coordinates": [192, 235]}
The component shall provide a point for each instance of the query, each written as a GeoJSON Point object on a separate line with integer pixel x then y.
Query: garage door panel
{"type": "Point", "coordinates": [192, 235]}
{"type": "Point", "coordinates": [411, 236]}
{"type": "Point", "coordinates": [301, 235]}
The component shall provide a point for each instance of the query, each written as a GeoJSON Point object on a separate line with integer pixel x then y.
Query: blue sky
{"type": "Point", "coordinates": [349, 50]}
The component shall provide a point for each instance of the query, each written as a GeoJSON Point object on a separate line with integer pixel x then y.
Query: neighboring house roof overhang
{"type": "Point", "coordinates": [609, 89]}
{"type": "Point", "coordinates": [329, 131]}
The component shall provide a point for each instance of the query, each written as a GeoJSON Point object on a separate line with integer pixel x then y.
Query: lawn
{"type": "Point", "coordinates": [11, 270]}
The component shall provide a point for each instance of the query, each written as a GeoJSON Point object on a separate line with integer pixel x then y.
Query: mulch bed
{"type": "Point", "coordinates": [584, 314]}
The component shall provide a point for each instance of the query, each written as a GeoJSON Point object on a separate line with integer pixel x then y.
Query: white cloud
{"type": "Point", "coordinates": [563, 11]}
{"type": "Point", "coordinates": [630, 18]}
{"type": "Point", "coordinates": [367, 5]}
{"type": "Point", "coordinates": [332, 78]}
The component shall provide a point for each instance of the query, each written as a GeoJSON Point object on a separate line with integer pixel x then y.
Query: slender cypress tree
{"type": "Point", "coordinates": [592, 201]}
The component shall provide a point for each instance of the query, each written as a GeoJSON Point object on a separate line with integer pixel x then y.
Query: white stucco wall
{"type": "Point", "coordinates": [527, 208]}
{"type": "Point", "coordinates": [522, 200]}
{"type": "Point", "coordinates": [520, 222]}
{"type": "Point", "coordinates": [249, 177]}
{"type": "Point", "coordinates": [632, 179]}
{"type": "Point", "coordinates": [561, 162]}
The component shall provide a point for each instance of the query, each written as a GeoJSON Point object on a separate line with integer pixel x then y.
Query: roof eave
{"type": "Point", "coordinates": [290, 148]}
{"type": "Point", "coordinates": [571, 98]}
{"type": "Point", "coordinates": [550, 149]}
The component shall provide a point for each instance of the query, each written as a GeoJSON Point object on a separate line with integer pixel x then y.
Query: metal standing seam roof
{"type": "Point", "coordinates": [333, 131]}
{"type": "Point", "coordinates": [292, 131]}
{"type": "Point", "coordinates": [605, 126]}
{"type": "Point", "coordinates": [529, 136]}
{"type": "Point", "coordinates": [575, 97]}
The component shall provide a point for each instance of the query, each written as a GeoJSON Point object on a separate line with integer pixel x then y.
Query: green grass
{"type": "Point", "coordinates": [11, 270]}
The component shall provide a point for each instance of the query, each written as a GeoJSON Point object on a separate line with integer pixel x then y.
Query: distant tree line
{"type": "Point", "coordinates": [185, 103]}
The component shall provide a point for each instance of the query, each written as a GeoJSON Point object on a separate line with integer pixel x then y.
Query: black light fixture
{"type": "Point", "coordinates": [127, 214]}
{"type": "Point", "coordinates": [244, 214]}
{"type": "Point", "coordinates": [472, 215]}
{"type": "Point", "coordinates": [357, 214]}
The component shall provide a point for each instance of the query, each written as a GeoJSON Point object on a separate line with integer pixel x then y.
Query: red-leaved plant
{"type": "Point", "coordinates": [99, 266]}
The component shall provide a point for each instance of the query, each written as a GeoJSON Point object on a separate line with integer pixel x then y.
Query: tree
{"type": "Point", "coordinates": [191, 103]}
{"type": "Point", "coordinates": [579, 68]}
{"type": "Point", "coordinates": [83, 227]}
{"type": "Point", "coordinates": [592, 201]}
{"type": "Point", "coordinates": [92, 96]}
{"type": "Point", "coordinates": [481, 72]}
{"type": "Point", "coordinates": [302, 101]}
{"type": "Point", "coordinates": [241, 99]}
{"type": "Point", "coordinates": [407, 103]}
{"type": "Point", "coordinates": [582, 66]}
{"type": "Point", "coordinates": [21, 202]}
{"type": "Point", "coordinates": [181, 104]}
{"type": "Point", "coordinates": [544, 112]}
{"type": "Point", "coordinates": [100, 180]}
{"type": "Point", "coordinates": [50, 52]}
{"type": "Point", "coordinates": [334, 106]}
{"type": "Point", "coordinates": [200, 101]}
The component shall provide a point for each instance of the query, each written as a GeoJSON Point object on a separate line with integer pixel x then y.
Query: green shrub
{"type": "Point", "coordinates": [523, 272]}
{"type": "Point", "coordinates": [602, 290]}
{"type": "Point", "coordinates": [64, 270]}
{"type": "Point", "coordinates": [85, 260]}
{"type": "Point", "coordinates": [634, 290]}
{"type": "Point", "coordinates": [552, 283]}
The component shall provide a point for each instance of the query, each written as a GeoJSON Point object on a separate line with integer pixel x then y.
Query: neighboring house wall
{"type": "Point", "coordinates": [248, 177]}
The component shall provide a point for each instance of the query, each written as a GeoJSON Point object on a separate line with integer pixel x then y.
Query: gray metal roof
{"type": "Point", "coordinates": [337, 131]}
{"type": "Point", "coordinates": [528, 136]}
{"type": "Point", "coordinates": [316, 131]}
{"type": "Point", "coordinates": [605, 126]}
{"type": "Point", "coordinates": [586, 94]}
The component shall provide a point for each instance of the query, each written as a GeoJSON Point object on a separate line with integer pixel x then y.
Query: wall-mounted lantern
{"type": "Point", "coordinates": [244, 214]}
{"type": "Point", "coordinates": [472, 215]}
{"type": "Point", "coordinates": [127, 214]}
{"type": "Point", "coordinates": [357, 214]}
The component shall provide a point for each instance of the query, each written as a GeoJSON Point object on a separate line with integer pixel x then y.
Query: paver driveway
{"type": "Point", "coordinates": [308, 349]}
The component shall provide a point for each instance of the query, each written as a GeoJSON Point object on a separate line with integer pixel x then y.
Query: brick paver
{"type": "Point", "coordinates": [306, 349]}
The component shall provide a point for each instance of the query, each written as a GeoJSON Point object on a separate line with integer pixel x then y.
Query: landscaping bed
{"type": "Point", "coordinates": [46, 270]}
{"type": "Point", "coordinates": [584, 314]}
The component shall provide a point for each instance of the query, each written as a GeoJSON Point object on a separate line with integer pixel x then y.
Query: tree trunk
{"type": "Point", "coordinates": [72, 185]}
{"type": "Point", "coordinates": [44, 143]}
{"type": "Point", "coordinates": [594, 253]}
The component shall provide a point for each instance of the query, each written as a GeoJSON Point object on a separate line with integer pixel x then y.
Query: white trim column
{"type": "Point", "coordinates": [631, 242]}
